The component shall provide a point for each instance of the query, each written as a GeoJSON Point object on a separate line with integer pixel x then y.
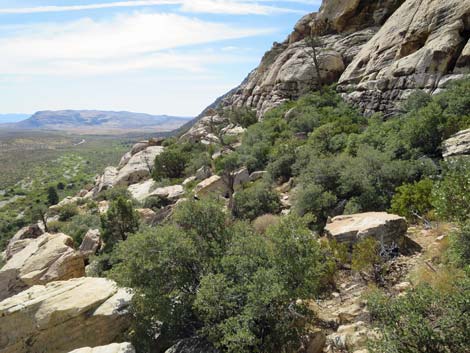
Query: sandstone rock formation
{"type": "Point", "coordinates": [209, 185]}
{"type": "Point", "coordinates": [138, 167]}
{"type": "Point", "coordinates": [61, 316]}
{"type": "Point", "coordinates": [457, 145]}
{"type": "Point", "coordinates": [110, 348]}
{"type": "Point", "coordinates": [146, 215]}
{"type": "Point", "coordinates": [142, 190]}
{"type": "Point", "coordinates": [169, 193]}
{"type": "Point", "coordinates": [384, 227]}
{"type": "Point", "coordinates": [420, 43]}
{"type": "Point", "coordinates": [19, 241]}
{"type": "Point", "coordinates": [91, 243]}
{"type": "Point", "coordinates": [45, 259]}
{"type": "Point", "coordinates": [106, 180]}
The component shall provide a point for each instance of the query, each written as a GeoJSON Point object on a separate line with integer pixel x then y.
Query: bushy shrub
{"type": "Point", "coordinates": [79, 225]}
{"type": "Point", "coordinates": [262, 223]}
{"type": "Point", "coordinates": [241, 116]}
{"type": "Point", "coordinates": [67, 211]}
{"type": "Point", "coordinates": [450, 194]}
{"type": "Point", "coordinates": [119, 221]}
{"type": "Point", "coordinates": [203, 275]}
{"type": "Point", "coordinates": [255, 201]}
{"type": "Point", "coordinates": [423, 320]}
{"type": "Point", "coordinates": [365, 255]}
{"type": "Point", "coordinates": [52, 196]}
{"type": "Point", "coordinates": [413, 200]}
{"type": "Point", "coordinates": [171, 163]}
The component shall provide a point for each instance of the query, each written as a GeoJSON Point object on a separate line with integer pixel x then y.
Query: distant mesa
{"type": "Point", "coordinates": [97, 122]}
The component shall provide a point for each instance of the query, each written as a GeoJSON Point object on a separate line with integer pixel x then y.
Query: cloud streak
{"type": "Point", "coordinates": [124, 43]}
{"type": "Point", "coordinates": [235, 7]}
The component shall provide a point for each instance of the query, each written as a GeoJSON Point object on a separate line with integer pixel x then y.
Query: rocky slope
{"type": "Point", "coordinates": [379, 51]}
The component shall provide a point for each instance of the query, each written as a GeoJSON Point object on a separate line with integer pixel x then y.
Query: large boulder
{"type": "Point", "coordinates": [457, 145]}
{"type": "Point", "coordinates": [61, 316]}
{"type": "Point", "coordinates": [386, 228]}
{"type": "Point", "coordinates": [138, 167]}
{"type": "Point", "coordinates": [91, 243]}
{"type": "Point", "coordinates": [50, 257]}
{"type": "Point", "coordinates": [142, 190]}
{"type": "Point", "coordinates": [170, 193]}
{"type": "Point", "coordinates": [110, 348]}
{"type": "Point", "coordinates": [214, 184]}
{"type": "Point", "coordinates": [416, 48]}
{"type": "Point", "coordinates": [106, 180]}
{"type": "Point", "coordinates": [19, 241]}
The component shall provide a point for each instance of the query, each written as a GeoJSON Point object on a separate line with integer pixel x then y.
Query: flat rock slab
{"type": "Point", "coordinates": [457, 145]}
{"type": "Point", "coordinates": [110, 348]}
{"type": "Point", "coordinates": [64, 315]}
{"type": "Point", "coordinates": [383, 226]}
{"type": "Point", "coordinates": [48, 258]}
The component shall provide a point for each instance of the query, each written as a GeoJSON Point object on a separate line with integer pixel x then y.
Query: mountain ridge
{"type": "Point", "coordinates": [98, 121]}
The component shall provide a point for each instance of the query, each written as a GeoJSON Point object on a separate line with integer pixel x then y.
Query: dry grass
{"type": "Point", "coordinates": [262, 223]}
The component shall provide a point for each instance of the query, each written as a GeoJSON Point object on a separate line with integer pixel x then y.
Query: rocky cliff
{"type": "Point", "coordinates": [379, 51]}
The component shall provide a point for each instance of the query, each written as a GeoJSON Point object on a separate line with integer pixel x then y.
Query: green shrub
{"type": "Point", "coordinates": [413, 200]}
{"type": "Point", "coordinates": [119, 221]}
{"type": "Point", "coordinates": [171, 163]}
{"type": "Point", "coordinates": [365, 255]}
{"type": "Point", "coordinates": [450, 194]}
{"type": "Point", "coordinates": [460, 247]}
{"type": "Point", "coordinates": [203, 275]}
{"type": "Point", "coordinates": [314, 199]}
{"type": "Point", "coordinates": [241, 116]}
{"type": "Point", "coordinates": [52, 196]}
{"type": "Point", "coordinates": [255, 201]}
{"type": "Point", "coordinates": [79, 225]}
{"type": "Point", "coordinates": [67, 211]}
{"type": "Point", "coordinates": [423, 320]}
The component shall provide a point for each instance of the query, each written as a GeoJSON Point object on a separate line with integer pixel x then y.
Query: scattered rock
{"type": "Point", "coordinates": [170, 193]}
{"type": "Point", "coordinates": [257, 175]}
{"type": "Point", "coordinates": [203, 173]}
{"type": "Point", "coordinates": [110, 348]}
{"type": "Point", "coordinates": [384, 227]}
{"type": "Point", "coordinates": [91, 243]}
{"type": "Point", "coordinates": [142, 190]}
{"type": "Point", "coordinates": [242, 176]}
{"type": "Point", "coordinates": [65, 315]}
{"type": "Point", "coordinates": [138, 147]}
{"type": "Point", "coordinates": [402, 287]}
{"type": "Point", "coordinates": [192, 345]}
{"type": "Point", "coordinates": [106, 180]}
{"type": "Point", "coordinates": [209, 185]}
{"type": "Point", "coordinates": [103, 206]}
{"type": "Point", "coordinates": [457, 145]}
{"type": "Point", "coordinates": [146, 215]}
{"type": "Point", "coordinates": [189, 180]}
{"type": "Point", "coordinates": [48, 258]}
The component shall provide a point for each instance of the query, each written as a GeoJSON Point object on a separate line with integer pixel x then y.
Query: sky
{"type": "Point", "coordinates": [153, 56]}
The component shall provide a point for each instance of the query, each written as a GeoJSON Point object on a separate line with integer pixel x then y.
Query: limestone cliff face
{"type": "Point", "coordinates": [378, 50]}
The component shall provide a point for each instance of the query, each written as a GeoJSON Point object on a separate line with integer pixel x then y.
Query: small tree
{"type": "Point", "coordinates": [171, 163]}
{"type": "Point", "coordinates": [39, 212]}
{"type": "Point", "coordinates": [52, 196]}
{"type": "Point", "coordinates": [228, 166]}
{"type": "Point", "coordinates": [120, 221]}
{"type": "Point", "coordinates": [311, 46]}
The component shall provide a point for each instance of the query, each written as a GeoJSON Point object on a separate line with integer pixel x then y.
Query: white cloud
{"type": "Point", "coordinates": [127, 42]}
{"type": "Point", "coordinates": [235, 7]}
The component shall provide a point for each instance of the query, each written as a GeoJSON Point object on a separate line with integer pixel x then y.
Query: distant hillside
{"type": "Point", "coordinates": [98, 122]}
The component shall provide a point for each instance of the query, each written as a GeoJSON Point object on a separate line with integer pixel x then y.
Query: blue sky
{"type": "Point", "coordinates": [154, 56]}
